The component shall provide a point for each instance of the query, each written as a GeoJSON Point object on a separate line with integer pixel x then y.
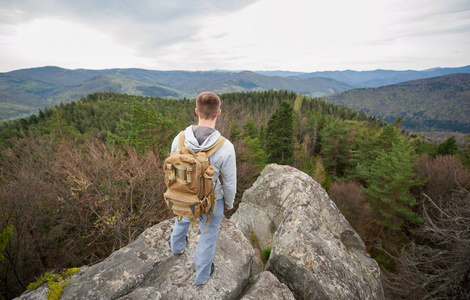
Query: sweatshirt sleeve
{"type": "Point", "coordinates": [228, 172]}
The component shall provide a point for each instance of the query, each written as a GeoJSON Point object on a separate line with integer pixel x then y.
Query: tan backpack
{"type": "Point", "coordinates": [188, 177]}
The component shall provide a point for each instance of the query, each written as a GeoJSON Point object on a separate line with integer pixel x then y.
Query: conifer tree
{"type": "Point", "coordinates": [146, 130]}
{"type": "Point", "coordinates": [368, 149]}
{"type": "Point", "coordinates": [334, 139]}
{"type": "Point", "coordinates": [249, 129]}
{"type": "Point", "coordinates": [280, 134]}
{"type": "Point", "coordinates": [234, 131]}
{"type": "Point", "coordinates": [388, 180]}
{"type": "Point", "coordinates": [261, 134]}
{"type": "Point", "coordinates": [254, 152]}
{"type": "Point", "coordinates": [448, 147]}
{"type": "Point", "coordinates": [387, 137]}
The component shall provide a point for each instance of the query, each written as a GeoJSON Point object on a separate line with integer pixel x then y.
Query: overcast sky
{"type": "Point", "coordinates": [294, 35]}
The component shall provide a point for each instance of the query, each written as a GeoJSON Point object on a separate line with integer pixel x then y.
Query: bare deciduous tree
{"type": "Point", "coordinates": [353, 205]}
{"type": "Point", "coordinates": [438, 265]}
{"type": "Point", "coordinates": [72, 204]}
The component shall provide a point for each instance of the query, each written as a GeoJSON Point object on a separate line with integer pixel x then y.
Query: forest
{"type": "Point", "coordinates": [80, 180]}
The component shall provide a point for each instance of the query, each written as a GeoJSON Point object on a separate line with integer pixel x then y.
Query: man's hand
{"type": "Point", "coordinates": [228, 208]}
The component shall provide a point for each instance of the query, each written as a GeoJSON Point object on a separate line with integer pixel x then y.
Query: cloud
{"type": "Point", "coordinates": [146, 11]}
{"type": "Point", "coordinates": [324, 35]}
{"type": "Point", "coordinates": [293, 35]}
{"type": "Point", "coordinates": [149, 23]}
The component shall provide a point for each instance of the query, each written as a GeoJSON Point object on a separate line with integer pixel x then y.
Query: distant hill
{"type": "Point", "coordinates": [433, 104]}
{"type": "Point", "coordinates": [24, 92]}
{"type": "Point", "coordinates": [437, 104]}
{"type": "Point", "coordinates": [382, 77]}
{"type": "Point", "coordinates": [284, 73]}
{"type": "Point", "coordinates": [99, 114]}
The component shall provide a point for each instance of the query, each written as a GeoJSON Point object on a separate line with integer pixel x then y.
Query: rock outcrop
{"type": "Point", "coordinates": [267, 286]}
{"type": "Point", "coordinates": [315, 254]}
{"type": "Point", "coordinates": [314, 250]}
{"type": "Point", "coordinates": [146, 269]}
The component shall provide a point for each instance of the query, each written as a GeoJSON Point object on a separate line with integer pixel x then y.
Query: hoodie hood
{"type": "Point", "coordinates": [192, 142]}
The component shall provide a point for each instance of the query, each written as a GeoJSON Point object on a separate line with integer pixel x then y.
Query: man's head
{"type": "Point", "coordinates": [208, 106]}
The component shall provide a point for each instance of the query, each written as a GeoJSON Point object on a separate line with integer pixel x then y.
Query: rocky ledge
{"type": "Point", "coordinates": [315, 253]}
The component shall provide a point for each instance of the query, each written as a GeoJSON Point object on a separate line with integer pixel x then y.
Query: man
{"type": "Point", "coordinates": [197, 138]}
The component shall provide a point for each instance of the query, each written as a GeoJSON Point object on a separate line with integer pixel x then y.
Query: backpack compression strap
{"type": "Point", "coordinates": [209, 151]}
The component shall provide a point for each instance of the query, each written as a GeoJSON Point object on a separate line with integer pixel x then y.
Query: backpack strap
{"type": "Point", "coordinates": [181, 140]}
{"type": "Point", "coordinates": [220, 141]}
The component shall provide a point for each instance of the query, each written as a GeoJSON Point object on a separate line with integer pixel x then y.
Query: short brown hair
{"type": "Point", "coordinates": [208, 105]}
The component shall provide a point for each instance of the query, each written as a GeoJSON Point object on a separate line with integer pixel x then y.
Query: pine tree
{"type": "Point", "coordinates": [253, 152]}
{"type": "Point", "coordinates": [249, 129]}
{"type": "Point", "coordinates": [146, 130]}
{"type": "Point", "coordinates": [369, 148]}
{"type": "Point", "coordinates": [334, 139]}
{"type": "Point", "coordinates": [448, 147]}
{"type": "Point", "coordinates": [388, 180]}
{"type": "Point", "coordinates": [261, 134]}
{"type": "Point", "coordinates": [234, 131]}
{"type": "Point", "coordinates": [387, 137]}
{"type": "Point", "coordinates": [280, 135]}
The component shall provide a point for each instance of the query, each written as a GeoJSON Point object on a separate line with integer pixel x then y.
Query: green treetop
{"type": "Point", "coordinates": [388, 180]}
{"type": "Point", "coordinates": [448, 147]}
{"type": "Point", "coordinates": [280, 134]}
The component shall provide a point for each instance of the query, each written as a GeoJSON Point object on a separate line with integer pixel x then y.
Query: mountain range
{"type": "Point", "coordinates": [437, 104]}
{"type": "Point", "coordinates": [373, 78]}
{"type": "Point", "coordinates": [429, 100]}
{"type": "Point", "coordinates": [25, 91]}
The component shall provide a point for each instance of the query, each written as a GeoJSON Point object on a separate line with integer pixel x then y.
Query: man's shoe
{"type": "Point", "coordinates": [184, 247]}
{"type": "Point", "coordinates": [212, 272]}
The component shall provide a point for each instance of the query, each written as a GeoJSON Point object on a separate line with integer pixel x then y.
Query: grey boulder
{"type": "Point", "coordinates": [268, 287]}
{"type": "Point", "coordinates": [314, 250]}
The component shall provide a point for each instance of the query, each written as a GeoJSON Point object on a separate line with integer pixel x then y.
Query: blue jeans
{"type": "Point", "coordinates": [205, 249]}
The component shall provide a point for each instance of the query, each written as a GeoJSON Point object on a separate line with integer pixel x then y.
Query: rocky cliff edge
{"type": "Point", "coordinates": [315, 253]}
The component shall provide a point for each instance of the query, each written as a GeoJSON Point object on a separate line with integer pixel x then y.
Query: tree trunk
{"type": "Point", "coordinates": [374, 242]}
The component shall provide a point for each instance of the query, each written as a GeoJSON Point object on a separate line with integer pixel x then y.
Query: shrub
{"type": "Point", "coordinates": [254, 239]}
{"type": "Point", "coordinates": [443, 175]}
{"type": "Point", "coordinates": [41, 280]}
{"type": "Point", "coordinates": [265, 254]}
{"type": "Point", "coordinates": [53, 277]}
{"type": "Point", "coordinates": [352, 204]}
{"type": "Point", "coordinates": [56, 289]}
{"type": "Point", "coordinates": [72, 204]}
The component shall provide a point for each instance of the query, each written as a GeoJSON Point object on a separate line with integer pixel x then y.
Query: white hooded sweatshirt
{"type": "Point", "coordinates": [223, 160]}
